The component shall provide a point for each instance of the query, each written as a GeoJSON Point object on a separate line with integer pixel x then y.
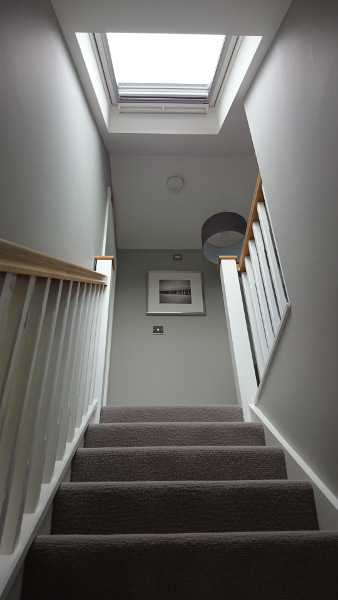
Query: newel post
{"type": "Point", "coordinates": [244, 372]}
{"type": "Point", "coordinates": [106, 266]}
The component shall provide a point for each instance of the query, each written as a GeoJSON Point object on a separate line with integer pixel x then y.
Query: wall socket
{"type": "Point", "coordinates": [157, 329]}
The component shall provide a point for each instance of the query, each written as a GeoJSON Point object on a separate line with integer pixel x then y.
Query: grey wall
{"type": "Point", "coordinates": [54, 169]}
{"type": "Point", "coordinates": [292, 114]}
{"type": "Point", "coordinates": [191, 362]}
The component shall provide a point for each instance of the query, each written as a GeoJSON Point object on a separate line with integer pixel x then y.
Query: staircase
{"type": "Point", "coordinates": [181, 503]}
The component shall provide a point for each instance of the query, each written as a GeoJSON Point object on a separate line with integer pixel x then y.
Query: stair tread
{"type": "Point", "coordinates": [171, 413]}
{"type": "Point", "coordinates": [240, 566]}
{"type": "Point", "coordinates": [153, 507]}
{"type": "Point", "coordinates": [174, 433]}
{"type": "Point", "coordinates": [178, 463]}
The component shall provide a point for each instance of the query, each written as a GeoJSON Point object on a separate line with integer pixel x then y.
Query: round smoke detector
{"type": "Point", "coordinates": [175, 183]}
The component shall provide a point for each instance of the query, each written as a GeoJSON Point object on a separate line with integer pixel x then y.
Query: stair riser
{"type": "Point", "coordinates": [251, 566]}
{"type": "Point", "coordinates": [174, 434]}
{"type": "Point", "coordinates": [174, 507]}
{"type": "Point", "coordinates": [178, 464]}
{"type": "Point", "coordinates": [134, 414]}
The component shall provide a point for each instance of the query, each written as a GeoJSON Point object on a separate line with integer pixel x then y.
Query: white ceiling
{"type": "Point", "coordinates": [219, 170]}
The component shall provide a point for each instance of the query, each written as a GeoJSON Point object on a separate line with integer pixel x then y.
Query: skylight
{"type": "Point", "coordinates": [164, 66]}
{"type": "Point", "coordinates": [164, 72]}
{"type": "Point", "coordinates": [185, 102]}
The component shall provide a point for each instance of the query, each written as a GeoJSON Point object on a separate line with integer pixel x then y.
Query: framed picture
{"type": "Point", "coordinates": [175, 293]}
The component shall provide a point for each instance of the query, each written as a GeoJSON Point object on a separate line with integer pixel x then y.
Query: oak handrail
{"type": "Point", "coordinates": [24, 261]}
{"type": "Point", "coordinates": [253, 216]}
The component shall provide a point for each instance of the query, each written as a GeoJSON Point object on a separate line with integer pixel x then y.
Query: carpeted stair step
{"type": "Point", "coordinates": [173, 463]}
{"type": "Point", "coordinates": [181, 503]}
{"type": "Point", "coordinates": [134, 414]}
{"type": "Point", "coordinates": [205, 566]}
{"type": "Point", "coordinates": [174, 434]}
{"type": "Point", "coordinates": [182, 507]}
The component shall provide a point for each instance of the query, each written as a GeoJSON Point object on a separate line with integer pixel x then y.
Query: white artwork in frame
{"type": "Point", "coordinates": [175, 293]}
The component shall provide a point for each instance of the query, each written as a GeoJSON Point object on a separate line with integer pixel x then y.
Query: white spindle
{"type": "Point", "coordinates": [43, 390]}
{"type": "Point", "coordinates": [84, 356]}
{"type": "Point", "coordinates": [253, 324]}
{"type": "Point", "coordinates": [97, 341]}
{"type": "Point", "coordinates": [21, 417]}
{"type": "Point", "coordinates": [8, 285]}
{"type": "Point", "coordinates": [256, 306]}
{"type": "Point", "coordinates": [55, 399]}
{"type": "Point", "coordinates": [8, 417]}
{"type": "Point", "coordinates": [2, 281]}
{"type": "Point", "coordinates": [69, 343]}
{"type": "Point", "coordinates": [266, 275]}
{"type": "Point", "coordinates": [91, 346]}
{"type": "Point", "coordinates": [78, 361]}
{"type": "Point", "coordinates": [270, 250]}
{"type": "Point", "coordinates": [15, 299]}
{"type": "Point", "coordinates": [261, 294]}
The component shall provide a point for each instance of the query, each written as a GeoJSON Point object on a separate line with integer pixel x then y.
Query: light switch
{"type": "Point", "coordinates": [158, 329]}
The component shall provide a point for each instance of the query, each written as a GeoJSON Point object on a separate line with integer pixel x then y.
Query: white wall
{"type": "Point", "coordinates": [54, 169]}
{"type": "Point", "coordinates": [191, 362]}
{"type": "Point", "coordinates": [292, 114]}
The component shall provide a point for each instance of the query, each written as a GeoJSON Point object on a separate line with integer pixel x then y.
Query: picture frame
{"type": "Point", "coordinates": [175, 293]}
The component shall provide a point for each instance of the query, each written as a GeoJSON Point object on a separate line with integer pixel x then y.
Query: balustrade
{"type": "Point", "coordinates": [54, 331]}
{"type": "Point", "coordinates": [263, 300]}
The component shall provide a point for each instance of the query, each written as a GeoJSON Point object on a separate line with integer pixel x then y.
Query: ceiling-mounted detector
{"type": "Point", "coordinates": [175, 183]}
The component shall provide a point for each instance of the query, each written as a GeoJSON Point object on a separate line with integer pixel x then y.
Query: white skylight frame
{"type": "Point", "coordinates": [196, 102]}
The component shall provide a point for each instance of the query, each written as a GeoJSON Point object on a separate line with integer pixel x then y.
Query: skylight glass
{"type": "Point", "coordinates": [155, 64]}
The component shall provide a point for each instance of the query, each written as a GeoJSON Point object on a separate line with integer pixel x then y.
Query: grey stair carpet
{"type": "Point", "coordinates": [181, 503]}
{"type": "Point", "coordinates": [178, 463]}
{"type": "Point", "coordinates": [174, 434]}
{"type": "Point", "coordinates": [133, 414]}
{"type": "Point", "coordinates": [219, 566]}
{"type": "Point", "coordinates": [142, 507]}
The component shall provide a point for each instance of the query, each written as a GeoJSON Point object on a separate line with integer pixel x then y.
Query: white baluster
{"type": "Point", "coordinates": [57, 376]}
{"type": "Point", "coordinates": [43, 388]}
{"type": "Point", "coordinates": [14, 329]}
{"type": "Point", "coordinates": [69, 349]}
{"type": "Point", "coordinates": [266, 275]}
{"type": "Point", "coordinates": [93, 344]}
{"type": "Point", "coordinates": [21, 417]}
{"type": "Point", "coordinates": [78, 360]}
{"type": "Point", "coordinates": [261, 294]}
{"type": "Point", "coordinates": [270, 250]}
{"type": "Point", "coordinates": [256, 306]}
{"type": "Point", "coordinates": [253, 324]}
{"type": "Point", "coordinates": [85, 354]}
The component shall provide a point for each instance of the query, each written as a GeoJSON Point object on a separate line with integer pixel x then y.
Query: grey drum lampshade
{"type": "Point", "coordinates": [223, 233]}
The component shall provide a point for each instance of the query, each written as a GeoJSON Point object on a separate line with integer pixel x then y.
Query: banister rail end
{"type": "Point", "coordinates": [112, 258]}
{"type": "Point", "coordinates": [220, 258]}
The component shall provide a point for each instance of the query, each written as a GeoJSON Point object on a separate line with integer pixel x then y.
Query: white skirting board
{"type": "Point", "coordinates": [298, 469]}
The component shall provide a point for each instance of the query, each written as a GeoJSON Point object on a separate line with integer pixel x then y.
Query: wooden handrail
{"type": "Point", "coordinates": [253, 216]}
{"type": "Point", "coordinates": [23, 261]}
